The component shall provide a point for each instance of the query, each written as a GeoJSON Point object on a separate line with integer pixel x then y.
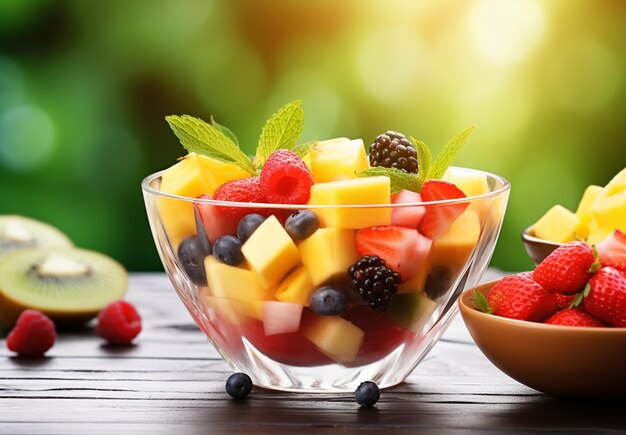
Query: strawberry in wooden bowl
{"type": "Point", "coordinates": [560, 329]}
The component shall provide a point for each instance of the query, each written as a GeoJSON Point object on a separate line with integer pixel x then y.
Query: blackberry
{"type": "Point", "coordinates": [393, 150]}
{"type": "Point", "coordinates": [374, 281]}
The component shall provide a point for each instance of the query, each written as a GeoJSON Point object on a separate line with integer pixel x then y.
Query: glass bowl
{"type": "Point", "coordinates": [257, 314]}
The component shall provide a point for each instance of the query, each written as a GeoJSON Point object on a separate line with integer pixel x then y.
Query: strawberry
{"type": "Point", "coordinates": [519, 297]}
{"type": "Point", "coordinates": [564, 301]}
{"type": "Point", "coordinates": [407, 216]}
{"type": "Point", "coordinates": [567, 269]}
{"type": "Point", "coordinates": [438, 218]}
{"type": "Point", "coordinates": [285, 179]}
{"type": "Point", "coordinates": [242, 190]}
{"type": "Point", "coordinates": [574, 317]}
{"type": "Point", "coordinates": [612, 250]}
{"type": "Point", "coordinates": [606, 296]}
{"type": "Point", "coordinates": [402, 249]}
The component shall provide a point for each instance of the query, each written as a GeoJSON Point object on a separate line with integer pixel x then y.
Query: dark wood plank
{"type": "Point", "coordinates": [173, 381]}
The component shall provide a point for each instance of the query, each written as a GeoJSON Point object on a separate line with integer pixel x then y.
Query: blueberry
{"type": "Point", "coordinates": [191, 255]}
{"type": "Point", "coordinates": [238, 385]}
{"type": "Point", "coordinates": [227, 249]}
{"type": "Point", "coordinates": [438, 282]}
{"type": "Point", "coordinates": [328, 301]}
{"type": "Point", "coordinates": [248, 224]}
{"type": "Point", "coordinates": [367, 394]}
{"type": "Point", "coordinates": [301, 224]}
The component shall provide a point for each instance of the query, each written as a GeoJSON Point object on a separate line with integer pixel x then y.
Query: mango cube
{"type": "Point", "coordinates": [471, 184]}
{"type": "Point", "coordinates": [191, 177]}
{"type": "Point", "coordinates": [557, 225]}
{"type": "Point", "coordinates": [609, 210]}
{"type": "Point", "coordinates": [270, 252]}
{"type": "Point", "coordinates": [233, 282]}
{"type": "Point", "coordinates": [328, 253]}
{"type": "Point", "coordinates": [336, 337]}
{"type": "Point", "coordinates": [337, 159]}
{"type": "Point", "coordinates": [597, 235]}
{"type": "Point", "coordinates": [456, 245]}
{"type": "Point", "coordinates": [296, 287]}
{"type": "Point", "coordinates": [367, 190]}
{"type": "Point", "coordinates": [590, 195]}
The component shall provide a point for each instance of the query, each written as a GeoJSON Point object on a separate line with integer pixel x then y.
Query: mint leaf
{"type": "Point", "coordinates": [448, 154]}
{"type": "Point", "coordinates": [399, 179]}
{"type": "Point", "coordinates": [303, 148]}
{"type": "Point", "coordinates": [200, 137]}
{"type": "Point", "coordinates": [424, 159]}
{"type": "Point", "coordinates": [225, 130]}
{"type": "Point", "coordinates": [282, 130]}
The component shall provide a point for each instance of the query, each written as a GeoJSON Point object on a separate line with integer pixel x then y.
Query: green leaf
{"type": "Point", "coordinates": [480, 301]}
{"type": "Point", "coordinates": [225, 130]}
{"type": "Point", "coordinates": [577, 300]}
{"type": "Point", "coordinates": [400, 180]}
{"type": "Point", "coordinates": [303, 148]}
{"type": "Point", "coordinates": [424, 159]}
{"type": "Point", "coordinates": [282, 130]}
{"type": "Point", "coordinates": [200, 137]}
{"type": "Point", "coordinates": [449, 153]}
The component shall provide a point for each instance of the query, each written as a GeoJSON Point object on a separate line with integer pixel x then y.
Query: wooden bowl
{"type": "Point", "coordinates": [537, 249]}
{"type": "Point", "coordinates": [559, 360]}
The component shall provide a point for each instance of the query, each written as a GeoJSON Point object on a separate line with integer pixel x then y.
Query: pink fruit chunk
{"type": "Point", "coordinates": [402, 249]}
{"type": "Point", "coordinates": [216, 223]}
{"type": "Point", "coordinates": [281, 317]}
{"type": "Point", "coordinates": [612, 250]}
{"type": "Point", "coordinates": [438, 218]}
{"type": "Point", "coordinates": [407, 216]}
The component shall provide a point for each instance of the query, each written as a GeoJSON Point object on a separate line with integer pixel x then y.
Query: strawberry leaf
{"type": "Point", "coordinates": [281, 131]}
{"type": "Point", "coordinates": [200, 137]}
{"type": "Point", "coordinates": [480, 302]}
{"type": "Point", "coordinates": [399, 179]}
{"type": "Point", "coordinates": [449, 153]}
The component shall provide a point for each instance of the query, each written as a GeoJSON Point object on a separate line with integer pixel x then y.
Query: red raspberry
{"type": "Point", "coordinates": [32, 335]}
{"type": "Point", "coordinates": [285, 179]}
{"type": "Point", "coordinates": [119, 323]}
{"type": "Point", "coordinates": [566, 269]}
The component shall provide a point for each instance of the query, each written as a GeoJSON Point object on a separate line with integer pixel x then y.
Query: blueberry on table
{"type": "Point", "coordinates": [248, 225]}
{"type": "Point", "coordinates": [227, 250]}
{"type": "Point", "coordinates": [328, 301]}
{"type": "Point", "coordinates": [191, 255]}
{"type": "Point", "coordinates": [367, 394]}
{"type": "Point", "coordinates": [238, 385]}
{"type": "Point", "coordinates": [301, 224]}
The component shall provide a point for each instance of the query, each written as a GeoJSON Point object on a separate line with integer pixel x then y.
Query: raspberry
{"type": "Point", "coordinates": [393, 150]}
{"type": "Point", "coordinates": [119, 323]}
{"type": "Point", "coordinates": [285, 179]}
{"type": "Point", "coordinates": [32, 335]}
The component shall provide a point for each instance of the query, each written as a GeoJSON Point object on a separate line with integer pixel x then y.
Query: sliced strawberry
{"type": "Point", "coordinates": [612, 250]}
{"type": "Point", "coordinates": [242, 190]}
{"type": "Point", "coordinates": [438, 218]}
{"type": "Point", "coordinates": [216, 223]}
{"type": "Point", "coordinates": [403, 249]}
{"type": "Point", "coordinates": [407, 216]}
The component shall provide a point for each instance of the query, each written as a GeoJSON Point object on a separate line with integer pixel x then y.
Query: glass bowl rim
{"type": "Point", "coordinates": [147, 188]}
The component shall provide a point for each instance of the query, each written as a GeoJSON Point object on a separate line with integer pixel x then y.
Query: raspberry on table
{"type": "Point", "coordinates": [285, 179]}
{"type": "Point", "coordinates": [374, 281]}
{"type": "Point", "coordinates": [393, 150]}
{"type": "Point", "coordinates": [119, 323]}
{"type": "Point", "coordinates": [33, 334]}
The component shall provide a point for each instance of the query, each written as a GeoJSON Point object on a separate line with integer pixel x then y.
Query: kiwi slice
{"type": "Point", "coordinates": [19, 232]}
{"type": "Point", "coordinates": [69, 285]}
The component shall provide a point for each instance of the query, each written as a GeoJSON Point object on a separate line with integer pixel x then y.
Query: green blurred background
{"type": "Point", "coordinates": [84, 88]}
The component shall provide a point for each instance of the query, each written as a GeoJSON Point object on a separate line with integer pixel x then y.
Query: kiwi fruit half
{"type": "Point", "coordinates": [69, 285]}
{"type": "Point", "coordinates": [19, 232]}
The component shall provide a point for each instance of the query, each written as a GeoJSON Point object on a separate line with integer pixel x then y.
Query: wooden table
{"type": "Point", "coordinates": [172, 381]}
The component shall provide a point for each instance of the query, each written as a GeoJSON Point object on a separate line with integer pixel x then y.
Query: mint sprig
{"type": "Point", "coordinates": [225, 130]}
{"type": "Point", "coordinates": [399, 179]}
{"type": "Point", "coordinates": [199, 137]}
{"type": "Point", "coordinates": [449, 153]}
{"type": "Point", "coordinates": [424, 157]}
{"type": "Point", "coordinates": [303, 148]}
{"type": "Point", "coordinates": [281, 131]}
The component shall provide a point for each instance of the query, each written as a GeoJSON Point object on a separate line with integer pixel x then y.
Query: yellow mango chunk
{"type": "Point", "coordinates": [233, 282]}
{"type": "Point", "coordinates": [415, 284]}
{"type": "Point", "coordinates": [471, 184]}
{"type": "Point", "coordinates": [597, 235]}
{"type": "Point", "coordinates": [328, 253]}
{"type": "Point", "coordinates": [609, 210]}
{"type": "Point", "coordinates": [557, 225]}
{"type": "Point", "coordinates": [270, 252]}
{"type": "Point", "coordinates": [454, 248]}
{"type": "Point", "coordinates": [191, 177]}
{"type": "Point", "coordinates": [337, 159]}
{"type": "Point", "coordinates": [368, 190]}
{"type": "Point", "coordinates": [338, 338]}
{"type": "Point", "coordinates": [590, 195]}
{"type": "Point", "coordinates": [233, 311]}
{"type": "Point", "coordinates": [296, 288]}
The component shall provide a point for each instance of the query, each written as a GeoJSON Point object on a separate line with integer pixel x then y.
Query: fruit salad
{"type": "Point", "coordinates": [321, 253]}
